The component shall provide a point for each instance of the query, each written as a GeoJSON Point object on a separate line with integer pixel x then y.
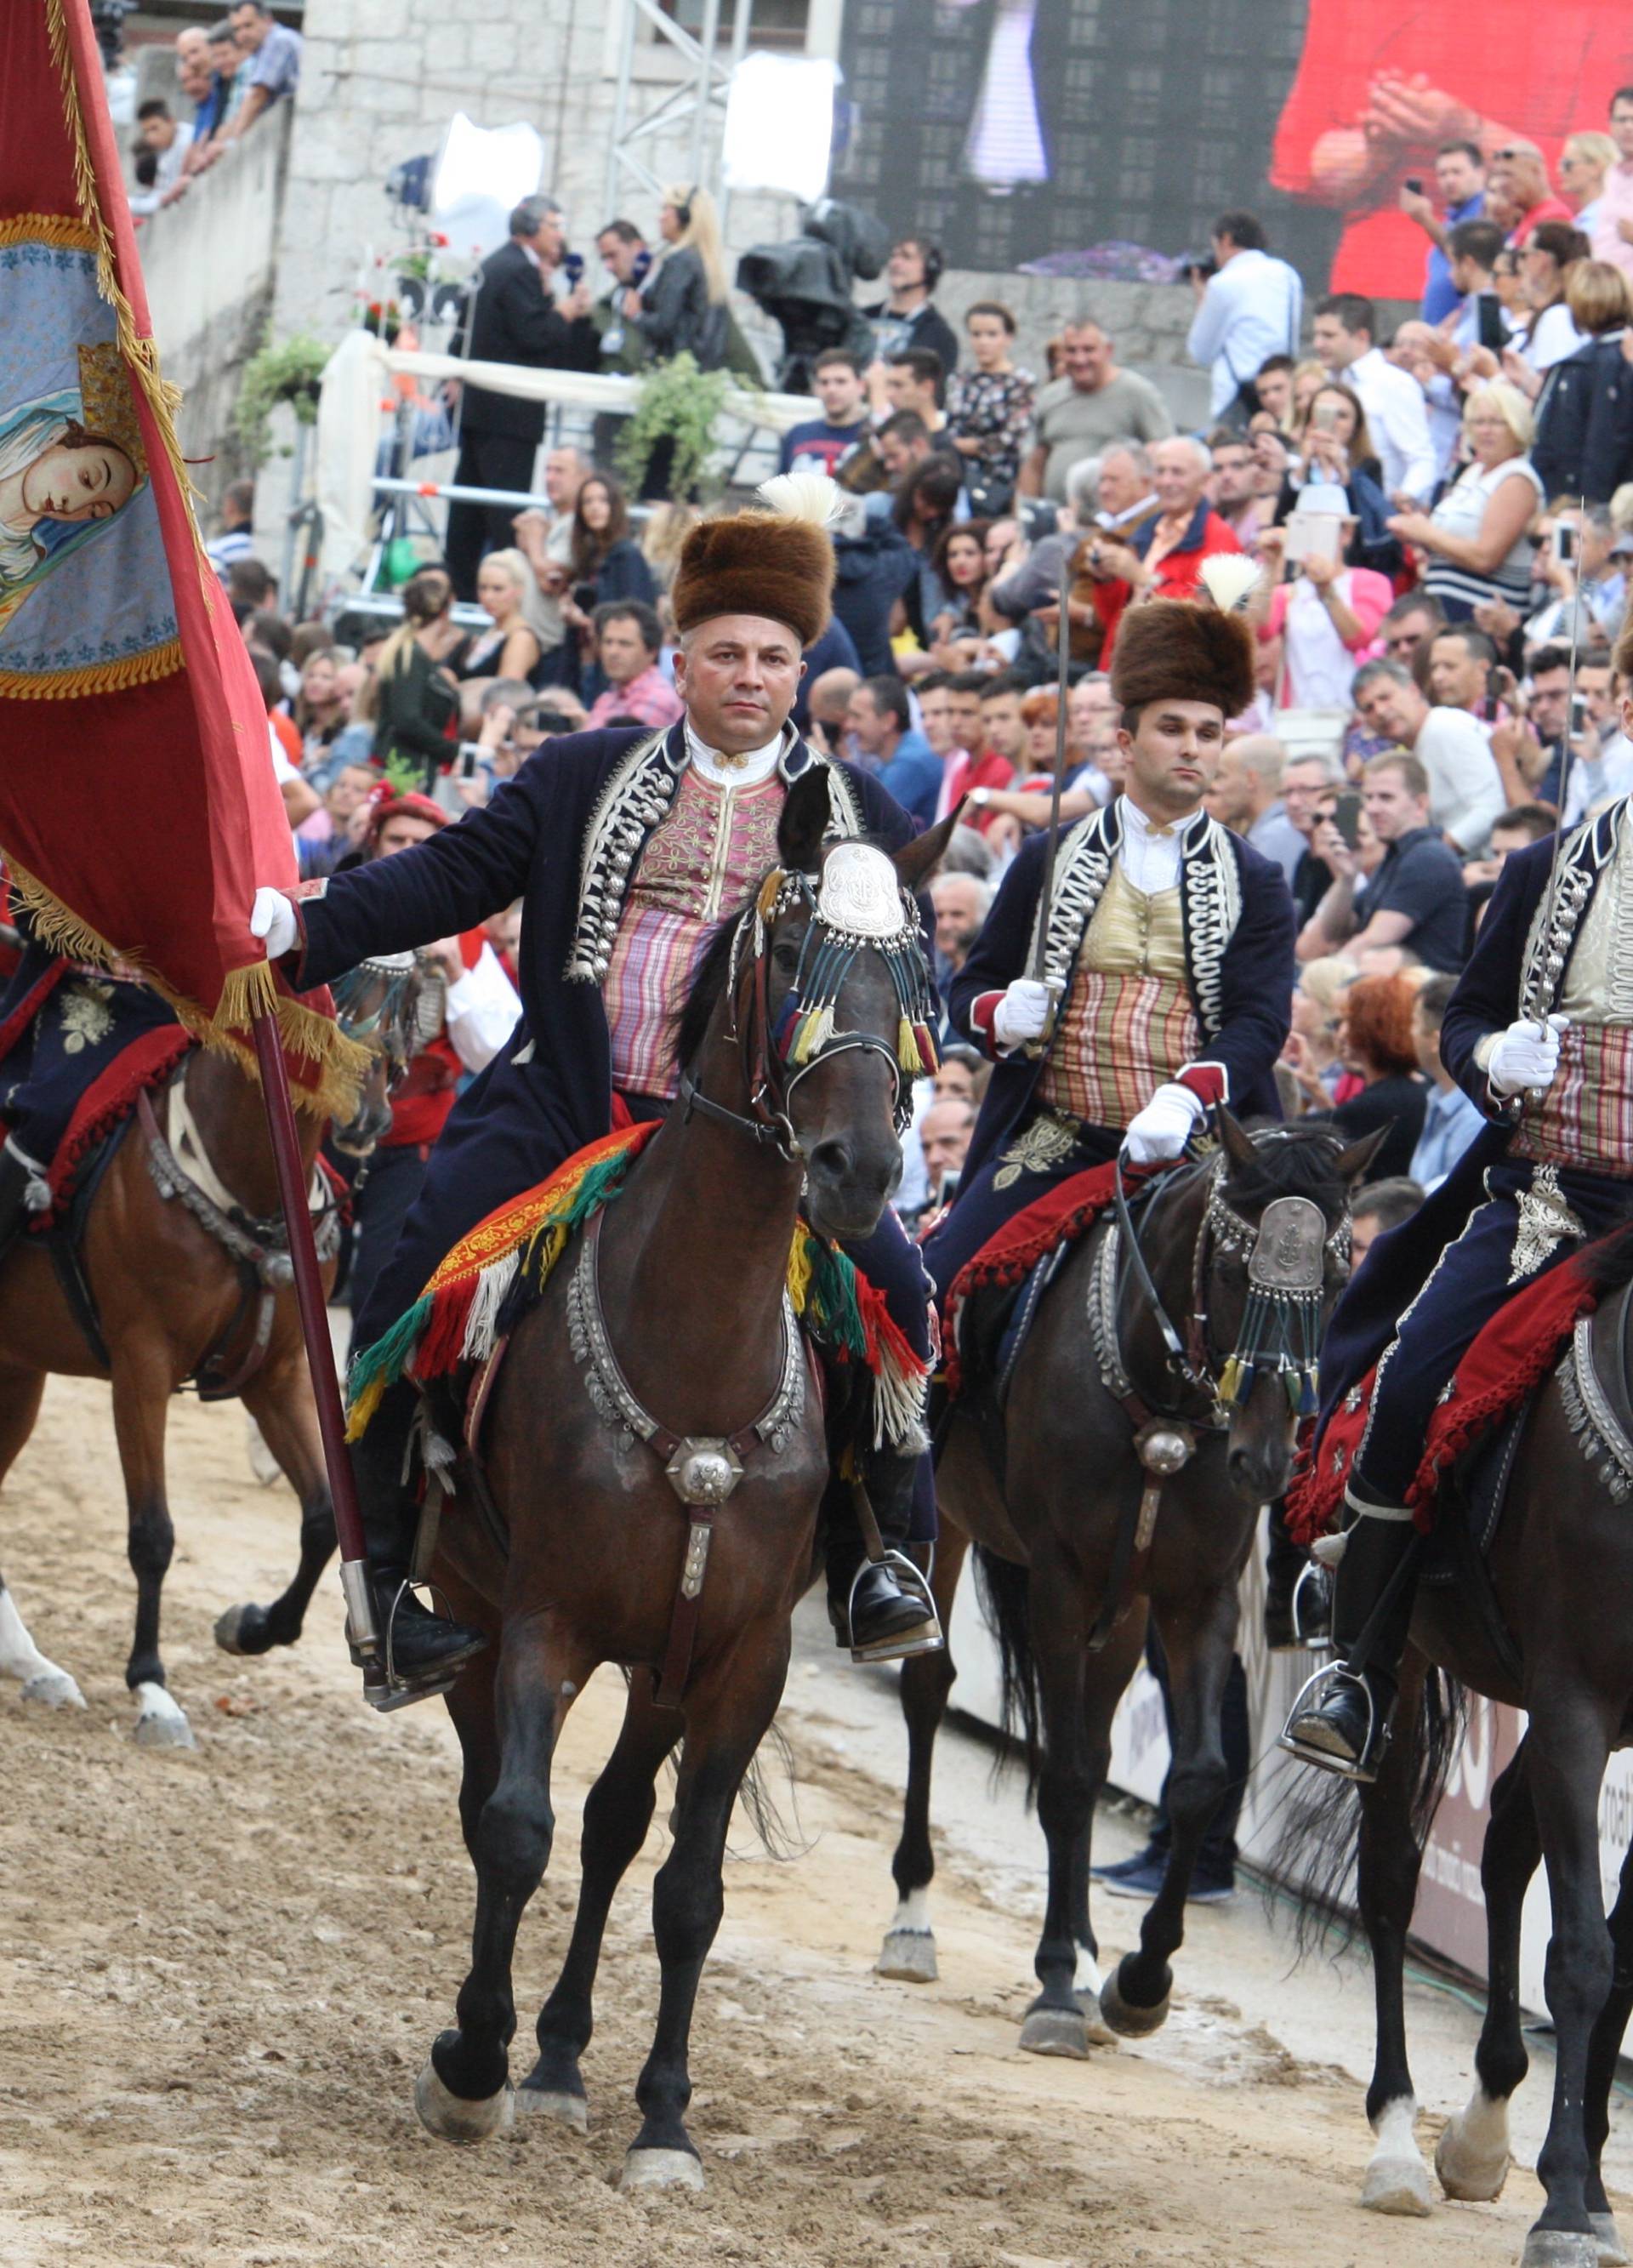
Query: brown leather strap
{"type": "Point", "coordinates": [867, 1520]}
{"type": "Point", "coordinates": [669, 1691]}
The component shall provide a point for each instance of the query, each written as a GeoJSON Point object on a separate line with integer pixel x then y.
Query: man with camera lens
{"type": "Point", "coordinates": [1249, 305]}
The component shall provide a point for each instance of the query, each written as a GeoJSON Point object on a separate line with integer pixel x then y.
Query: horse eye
{"type": "Point", "coordinates": [785, 956]}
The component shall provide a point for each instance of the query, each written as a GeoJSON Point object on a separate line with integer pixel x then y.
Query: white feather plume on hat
{"type": "Point", "coordinates": [809, 496]}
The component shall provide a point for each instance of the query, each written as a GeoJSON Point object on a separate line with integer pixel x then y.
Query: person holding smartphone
{"type": "Point", "coordinates": [1325, 614]}
{"type": "Point", "coordinates": [1413, 896]}
{"type": "Point", "coordinates": [1477, 541]}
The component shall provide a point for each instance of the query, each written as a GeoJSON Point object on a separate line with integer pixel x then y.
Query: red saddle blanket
{"type": "Point", "coordinates": [1060, 1216]}
{"type": "Point", "coordinates": [1512, 1354]}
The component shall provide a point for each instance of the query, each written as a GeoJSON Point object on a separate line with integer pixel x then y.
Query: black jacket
{"type": "Point", "coordinates": [1583, 445]}
{"type": "Point", "coordinates": [677, 315]}
{"type": "Point", "coordinates": [508, 317]}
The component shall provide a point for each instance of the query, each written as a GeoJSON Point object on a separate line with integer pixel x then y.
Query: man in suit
{"type": "Point", "coordinates": [511, 317]}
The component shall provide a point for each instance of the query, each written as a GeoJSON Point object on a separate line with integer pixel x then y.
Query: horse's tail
{"type": "Point", "coordinates": [1314, 1853]}
{"type": "Point", "coordinates": [1003, 1585]}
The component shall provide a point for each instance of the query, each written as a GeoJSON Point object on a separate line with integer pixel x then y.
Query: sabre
{"type": "Point", "coordinates": [1062, 635]}
{"type": "Point", "coordinates": [1550, 895]}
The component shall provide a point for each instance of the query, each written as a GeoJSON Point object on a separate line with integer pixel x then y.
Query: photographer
{"type": "Point", "coordinates": [1250, 306]}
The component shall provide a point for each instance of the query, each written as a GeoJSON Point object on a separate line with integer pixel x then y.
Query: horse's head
{"type": "Point", "coordinates": [1273, 1258]}
{"type": "Point", "coordinates": [828, 1009]}
{"type": "Point", "coordinates": [378, 1004]}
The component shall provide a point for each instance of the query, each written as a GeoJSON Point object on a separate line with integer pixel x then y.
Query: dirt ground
{"type": "Point", "coordinates": [220, 1970]}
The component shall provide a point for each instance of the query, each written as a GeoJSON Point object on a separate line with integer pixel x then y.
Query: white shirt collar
{"type": "Point", "coordinates": [736, 771]}
{"type": "Point", "coordinates": [1151, 850]}
{"type": "Point", "coordinates": [532, 255]}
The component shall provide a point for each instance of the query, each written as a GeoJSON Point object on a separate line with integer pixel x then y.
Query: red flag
{"type": "Point", "coordinates": [138, 809]}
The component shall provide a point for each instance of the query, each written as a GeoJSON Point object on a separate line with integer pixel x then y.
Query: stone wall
{"type": "Point", "coordinates": [208, 262]}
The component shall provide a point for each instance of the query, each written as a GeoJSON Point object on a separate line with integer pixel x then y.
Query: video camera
{"type": "Point", "coordinates": [805, 286]}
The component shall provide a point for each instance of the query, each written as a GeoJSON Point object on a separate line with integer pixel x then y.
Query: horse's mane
{"type": "Point", "coordinates": [1608, 1260]}
{"type": "Point", "coordinates": [692, 1023]}
{"type": "Point", "coordinates": [1290, 1161]}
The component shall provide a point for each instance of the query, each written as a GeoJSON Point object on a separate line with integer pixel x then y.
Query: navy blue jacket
{"type": "Point", "coordinates": [551, 837]}
{"type": "Point", "coordinates": [1583, 445]}
{"type": "Point", "coordinates": [1241, 983]}
{"type": "Point", "coordinates": [1488, 1000]}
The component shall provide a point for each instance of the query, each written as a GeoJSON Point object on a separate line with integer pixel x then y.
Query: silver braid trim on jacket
{"type": "Point", "coordinates": [1210, 899]}
{"type": "Point", "coordinates": [1586, 854]}
{"type": "Point", "coordinates": [634, 801]}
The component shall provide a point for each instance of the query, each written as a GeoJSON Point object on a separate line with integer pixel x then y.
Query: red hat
{"type": "Point", "coordinates": [387, 802]}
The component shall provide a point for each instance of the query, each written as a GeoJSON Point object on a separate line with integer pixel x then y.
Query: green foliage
{"type": "Point", "coordinates": [288, 372]}
{"type": "Point", "coordinates": [404, 776]}
{"type": "Point", "coordinates": [678, 403]}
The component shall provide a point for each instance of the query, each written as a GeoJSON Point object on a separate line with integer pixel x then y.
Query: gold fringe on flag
{"type": "Point", "coordinates": [106, 677]}
{"type": "Point", "coordinates": [341, 1064]}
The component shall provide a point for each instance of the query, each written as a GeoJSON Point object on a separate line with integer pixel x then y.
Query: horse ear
{"type": "Point", "coordinates": [1353, 1160]}
{"type": "Point", "coordinates": [924, 854]}
{"type": "Point", "coordinates": [1237, 1143]}
{"type": "Point", "coordinates": [807, 814]}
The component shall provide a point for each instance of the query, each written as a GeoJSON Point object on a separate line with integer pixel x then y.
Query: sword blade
{"type": "Point", "coordinates": [1555, 864]}
{"type": "Point", "coordinates": [1063, 687]}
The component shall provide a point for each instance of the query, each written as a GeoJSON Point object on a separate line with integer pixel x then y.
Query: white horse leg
{"type": "Point", "coordinates": [161, 1721]}
{"type": "Point", "coordinates": [909, 1948]}
{"type": "Point", "coordinates": [1086, 1989]}
{"type": "Point", "coordinates": [21, 1658]}
{"type": "Point", "coordinates": [1396, 2179]}
{"type": "Point", "coordinates": [1472, 2156]}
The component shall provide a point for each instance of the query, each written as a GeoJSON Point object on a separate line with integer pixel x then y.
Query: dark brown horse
{"type": "Point", "coordinates": [180, 1294]}
{"type": "Point", "coordinates": [1561, 1567]}
{"type": "Point", "coordinates": [688, 1278]}
{"type": "Point", "coordinates": [1060, 1549]}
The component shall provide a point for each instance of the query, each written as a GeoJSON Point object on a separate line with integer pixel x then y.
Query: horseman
{"type": "Point", "coordinates": [1540, 1033]}
{"type": "Point", "coordinates": [465, 1010]}
{"type": "Point", "coordinates": [1167, 951]}
{"type": "Point", "coordinates": [629, 851]}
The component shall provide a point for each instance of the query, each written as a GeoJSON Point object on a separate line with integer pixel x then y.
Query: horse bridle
{"type": "Point", "coordinates": [1285, 1251]}
{"type": "Point", "coordinates": [767, 1070]}
{"type": "Point", "coordinates": [396, 1024]}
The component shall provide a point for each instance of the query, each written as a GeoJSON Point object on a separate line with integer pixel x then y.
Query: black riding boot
{"type": "Point", "coordinates": [23, 1193]}
{"type": "Point", "coordinates": [870, 1609]}
{"type": "Point", "coordinates": [1297, 1597]}
{"type": "Point", "coordinates": [423, 1651]}
{"type": "Point", "coordinates": [1344, 1725]}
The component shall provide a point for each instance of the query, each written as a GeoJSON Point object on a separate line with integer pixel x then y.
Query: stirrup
{"type": "Point", "coordinates": [1321, 1641]}
{"type": "Point", "coordinates": [1364, 1768]}
{"type": "Point", "coordinates": [386, 1687]}
{"type": "Point", "coordinates": [926, 1639]}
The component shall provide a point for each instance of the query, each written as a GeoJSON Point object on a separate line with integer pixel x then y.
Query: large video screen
{"type": "Point", "coordinates": [1023, 132]}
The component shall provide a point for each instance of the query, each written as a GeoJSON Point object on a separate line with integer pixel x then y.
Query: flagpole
{"type": "Point", "coordinates": [314, 1327]}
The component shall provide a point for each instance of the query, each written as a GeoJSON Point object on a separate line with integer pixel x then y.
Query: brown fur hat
{"type": "Point", "coordinates": [1175, 650]}
{"type": "Point", "coordinates": [778, 564]}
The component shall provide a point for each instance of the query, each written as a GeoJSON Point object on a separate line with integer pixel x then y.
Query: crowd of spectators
{"type": "Point", "coordinates": [227, 77]}
{"type": "Point", "coordinates": [1437, 513]}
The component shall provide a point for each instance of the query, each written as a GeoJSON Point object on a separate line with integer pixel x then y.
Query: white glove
{"type": "Point", "coordinates": [1161, 1130]}
{"type": "Point", "coordinates": [273, 918]}
{"type": "Point", "coordinates": [1022, 1014]}
{"type": "Point", "coordinates": [1527, 1055]}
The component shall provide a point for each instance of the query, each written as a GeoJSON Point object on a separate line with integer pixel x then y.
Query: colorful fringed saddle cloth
{"type": "Point", "coordinates": [500, 1269]}
{"type": "Point", "coordinates": [1511, 1357]}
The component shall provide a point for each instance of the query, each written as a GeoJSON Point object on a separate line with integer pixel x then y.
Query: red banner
{"type": "Point", "coordinates": [138, 809]}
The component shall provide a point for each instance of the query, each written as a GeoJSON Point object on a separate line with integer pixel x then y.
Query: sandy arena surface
{"type": "Point", "coordinates": [220, 1970]}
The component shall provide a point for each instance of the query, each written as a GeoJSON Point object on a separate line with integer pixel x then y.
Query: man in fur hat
{"type": "Point", "coordinates": [1168, 962]}
{"type": "Point", "coordinates": [610, 940]}
{"type": "Point", "coordinates": [1538, 1034]}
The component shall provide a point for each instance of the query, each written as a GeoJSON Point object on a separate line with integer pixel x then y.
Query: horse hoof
{"type": "Point", "coordinates": [1471, 2174]}
{"type": "Point", "coordinates": [1397, 2185]}
{"type": "Point", "coordinates": [242, 1630]}
{"type": "Point", "coordinates": [1099, 2032]}
{"type": "Point", "coordinates": [661, 2169]}
{"type": "Point", "coordinates": [54, 1689]}
{"type": "Point", "coordinates": [1612, 2251]}
{"type": "Point", "coordinates": [553, 2103]}
{"type": "Point", "coordinates": [452, 2118]}
{"type": "Point", "coordinates": [1126, 2017]}
{"type": "Point", "coordinates": [1056, 2032]}
{"type": "Point", "coordinates": [161, 1722]}
{"type": "Point", "coordinates": [909, 1954]}
{"type": "Point", "coordinates": [1559, 2248]}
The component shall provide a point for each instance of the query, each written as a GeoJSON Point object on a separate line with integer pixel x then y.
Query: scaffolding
{"type": "Point", "coordinates": [698, 99]}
